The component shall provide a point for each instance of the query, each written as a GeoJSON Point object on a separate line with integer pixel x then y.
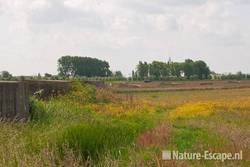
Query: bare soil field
{"type": "Point", "coordinates": [157, 86]}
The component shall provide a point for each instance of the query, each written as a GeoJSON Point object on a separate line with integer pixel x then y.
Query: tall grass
{"type": "Point", "coordinates": [91, 140]}
{"type": "Point", "coordinates": [71, 124]}
{"type": "Point", "coordinates": [89, 127]}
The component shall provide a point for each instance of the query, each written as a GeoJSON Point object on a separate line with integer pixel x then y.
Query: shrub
{"type": "Point", "coordinates": [37, 110]}
{"type": "Point", "coordinates": [81, 93]}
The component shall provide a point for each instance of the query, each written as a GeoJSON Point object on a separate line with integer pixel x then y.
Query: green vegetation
{"type": "Point", "coordinates": [87, 68]}
{"type": "Point", "coordinates": [67, 127]}
{"type": "Point", "coordinates": [82, 66]}
{"type": "Point", "coordinates": [89, 127]}
{"type": "Point", "coordinates": [168, 71]}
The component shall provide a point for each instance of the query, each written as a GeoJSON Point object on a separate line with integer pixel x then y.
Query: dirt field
{"type": "Point", "coordinates": [157, 86]}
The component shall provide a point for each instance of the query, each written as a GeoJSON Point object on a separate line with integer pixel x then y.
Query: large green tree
{"type": "Point", "coordinates": [201, 69]}
{"type": "Point", "coordinates": [83, 66]}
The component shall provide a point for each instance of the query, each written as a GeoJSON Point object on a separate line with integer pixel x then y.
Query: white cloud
{"type": "Point", "coordinates": [34, 34]}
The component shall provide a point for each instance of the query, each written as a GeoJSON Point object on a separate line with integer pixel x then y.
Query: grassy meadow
{"type": "Point", "coordinates": [89, 127]}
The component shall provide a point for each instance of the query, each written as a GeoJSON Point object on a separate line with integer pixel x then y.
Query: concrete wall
{"type": "Point", "coordinates": [14, 95]}
{"type": "Point", "coordinates": [48, 88]}
{"type": "Point", "coordinates": [14, 102]}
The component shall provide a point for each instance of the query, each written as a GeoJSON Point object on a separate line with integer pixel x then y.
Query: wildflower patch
{"type": "Point", "coordinates": [205, 108]}
{"type": "Point", "coordinates": [191, 110]}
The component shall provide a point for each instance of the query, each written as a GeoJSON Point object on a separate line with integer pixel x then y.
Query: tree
{"type": "Point", "coordinates": [6, 75]}
{"type": "Point", "coordinates": [154, 70]}
{"type": "Point", "coordinates": [66, 67]}
{"type": "Point", "coordinates": [47, 75]}
{"type": "Point", "coordinates": [143, 69]}
{"type": "Point", "coordinates": [158, 70]}
{"type": "Point", "coordinates": [118, 74]}
{"type": "Point", "coordinates": [240, 75]}
{"type": "Point", "coordinates": [39, 76]}
{"type": "Point", "coordinates": [188, 68]}
{"type": "Point", "coordinates": [201, 69]}
{"type": "Point", "coordinates": [176, 69]}
{"type": "Point", "coordinates": [83, 66]}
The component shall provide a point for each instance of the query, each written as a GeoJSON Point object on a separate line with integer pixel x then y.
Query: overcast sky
{"type": "Point", "coordinates": [35, 33]}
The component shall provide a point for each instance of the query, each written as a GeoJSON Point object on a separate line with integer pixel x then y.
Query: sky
{"type": "Point", "coordinates": [35, 33]}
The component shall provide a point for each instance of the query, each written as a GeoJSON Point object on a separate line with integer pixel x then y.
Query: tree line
{"type": "Point", "coordinates": [160, 70]}
{"type": "Point", "coordinates": [91, 68]}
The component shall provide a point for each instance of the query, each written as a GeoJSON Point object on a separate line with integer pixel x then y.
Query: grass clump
{"type": "Point", "coordinates": [37, 110]}
{"type": "Point", "coordinates": [184, 138]}
{"type": "Point", "coordinates": [91, 140]}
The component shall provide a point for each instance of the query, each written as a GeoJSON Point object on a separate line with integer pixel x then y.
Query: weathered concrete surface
{"type": "Point", "coordinates": [14, 95]}
{"type": "Point", "coordinates": [14, 102]}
